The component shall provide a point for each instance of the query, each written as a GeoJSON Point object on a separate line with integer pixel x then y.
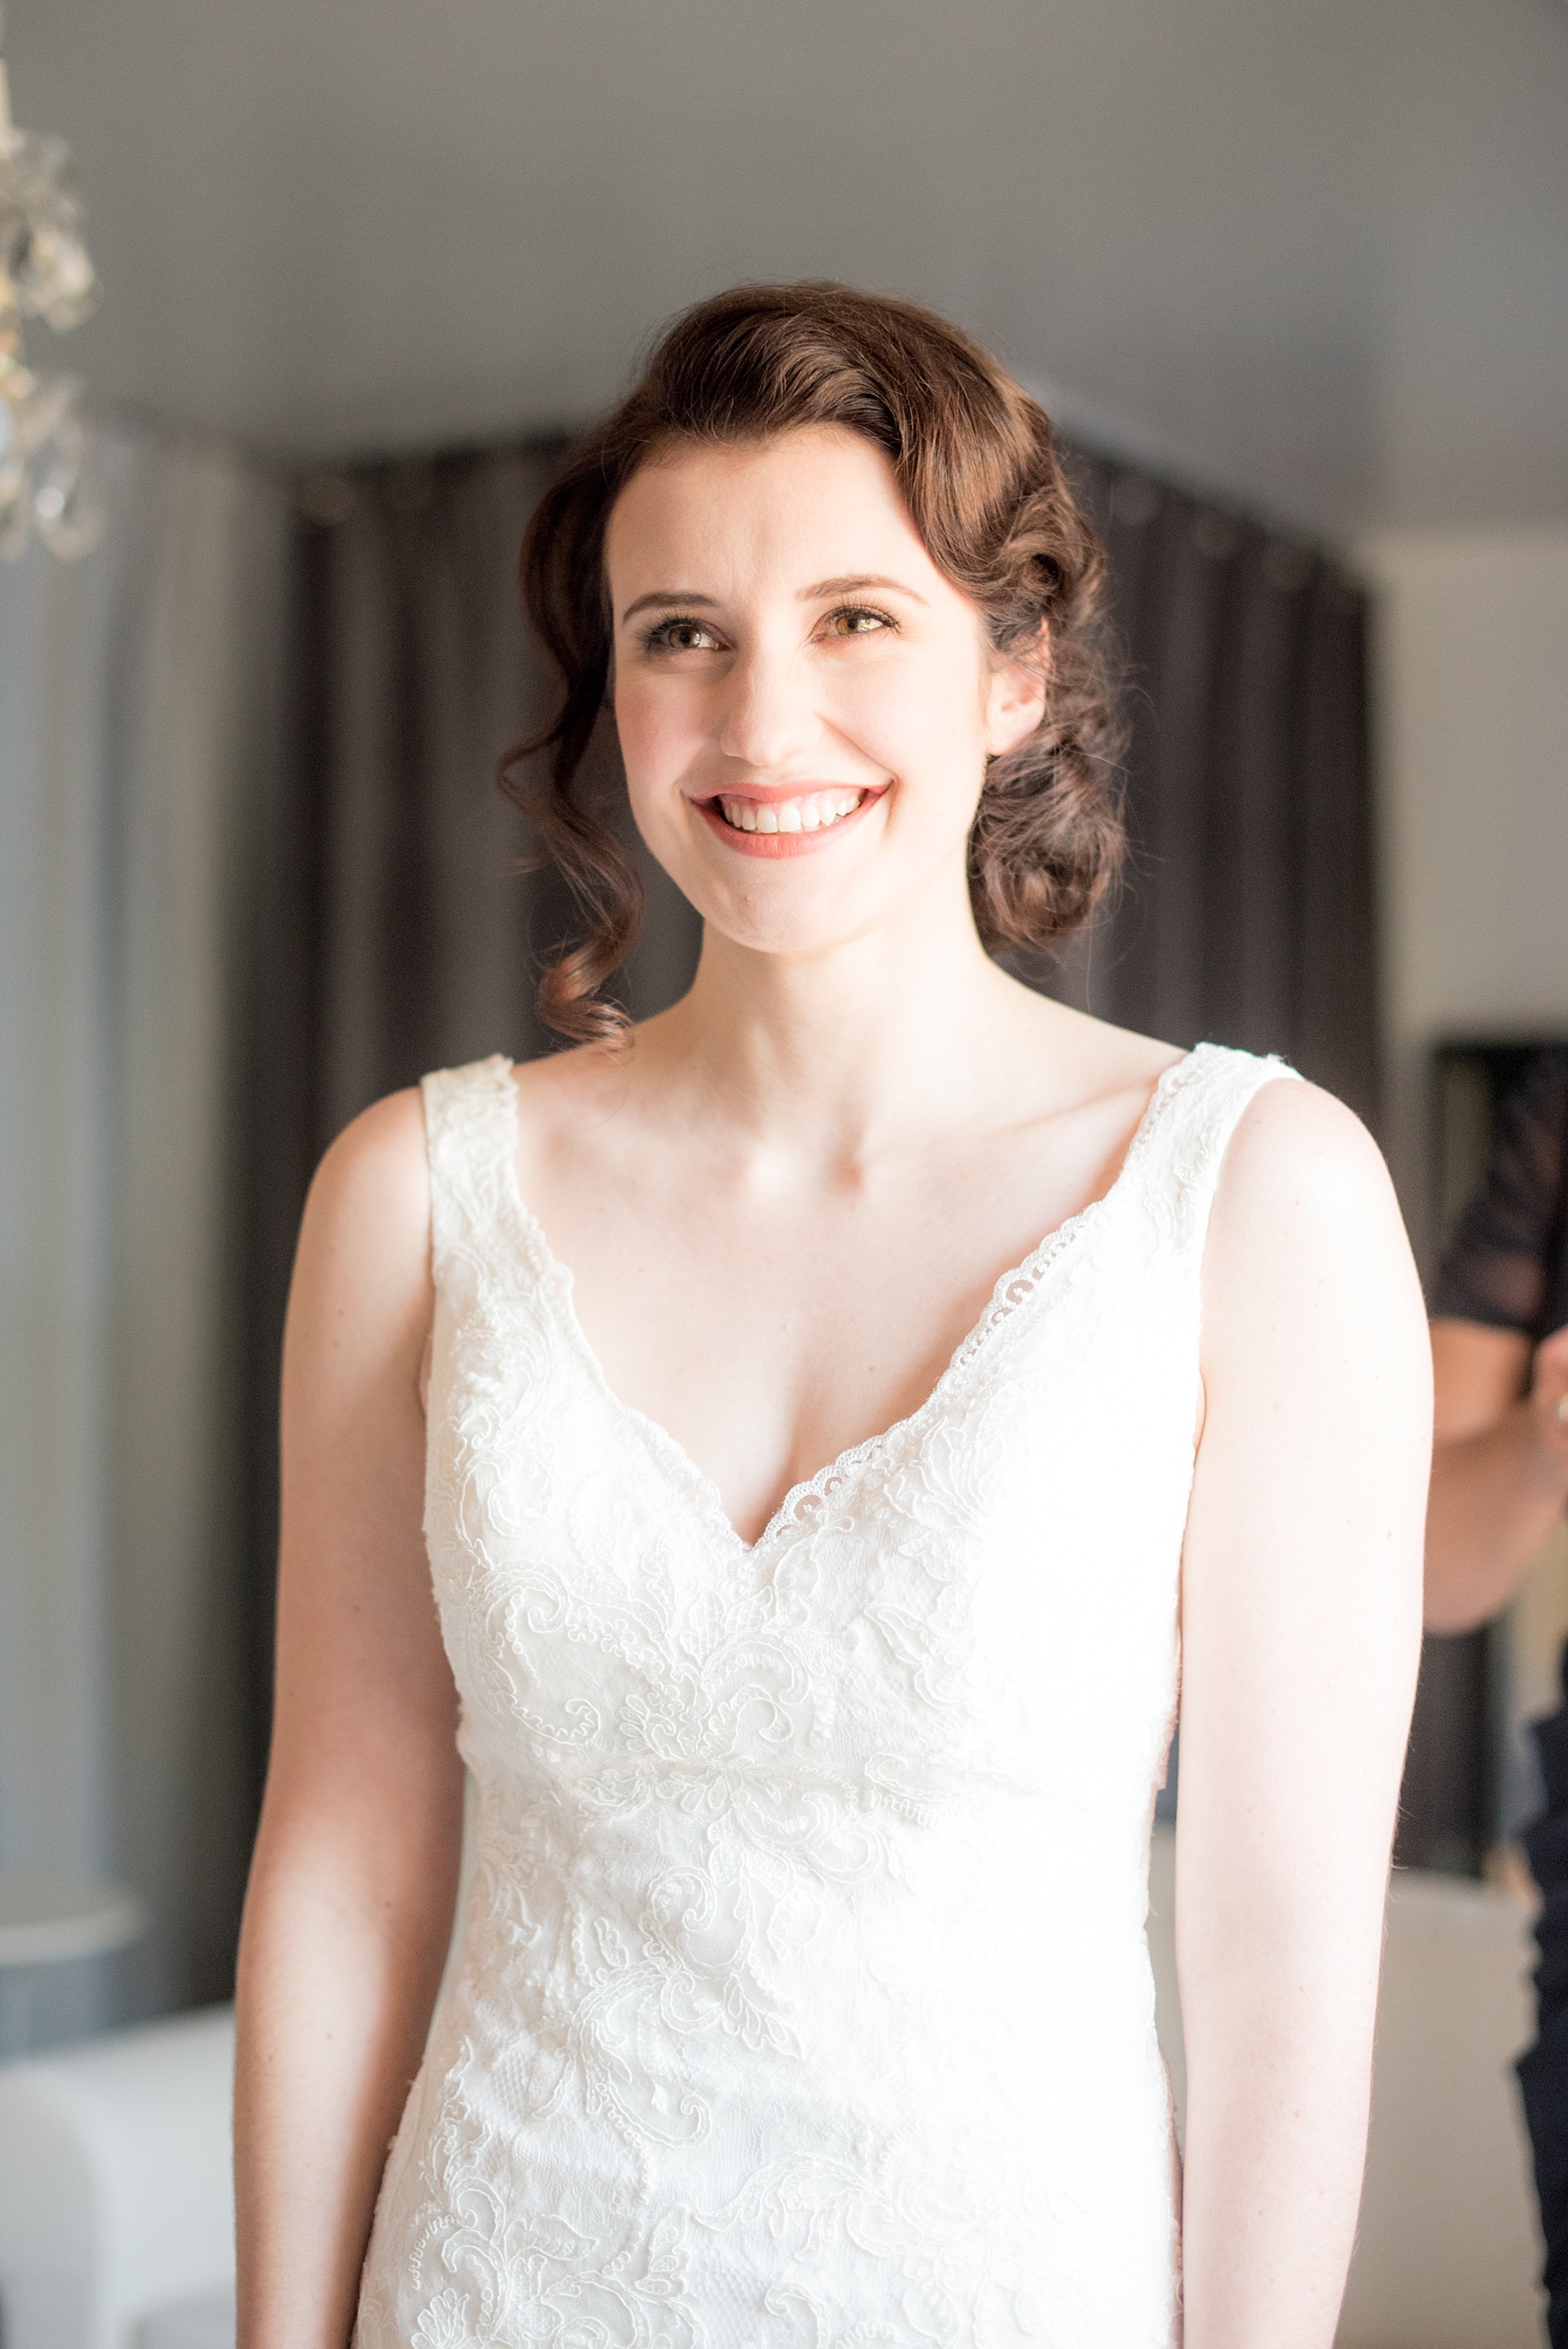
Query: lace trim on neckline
{"type": "Point", "coordinates": [803, 1503]}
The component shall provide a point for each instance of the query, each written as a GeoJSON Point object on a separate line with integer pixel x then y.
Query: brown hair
{"type": "Point", "coordinates": [975, 459]}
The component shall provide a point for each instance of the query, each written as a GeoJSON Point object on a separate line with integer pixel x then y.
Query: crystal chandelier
{"type": "Point", "coordinates": [44, 273]}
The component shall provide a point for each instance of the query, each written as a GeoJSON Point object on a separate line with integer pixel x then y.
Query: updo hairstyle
{"type": "Point", "coordinates": [974, 459]}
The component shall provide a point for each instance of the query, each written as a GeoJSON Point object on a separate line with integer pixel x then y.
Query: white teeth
{"type": "Point", "coordinates": [813, 813]}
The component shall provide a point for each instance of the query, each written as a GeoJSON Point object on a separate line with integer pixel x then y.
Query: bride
{"type": "Point", "coordinates": [804, 1576]}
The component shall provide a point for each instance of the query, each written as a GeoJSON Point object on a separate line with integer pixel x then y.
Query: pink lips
{"type": "Point", "coordinates": [778, 844]}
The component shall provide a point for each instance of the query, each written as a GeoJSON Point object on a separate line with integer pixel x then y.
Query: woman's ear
{"type": "Point", "coordinates": [1016, 693]}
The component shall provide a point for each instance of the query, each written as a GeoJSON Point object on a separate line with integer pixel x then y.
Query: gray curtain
{"type": "Point", "coordinates": [1248, 916]}
{"type": "Point", "coordinates": [138, 710]}
{"type": "Point", "coordinates": [400, 935]}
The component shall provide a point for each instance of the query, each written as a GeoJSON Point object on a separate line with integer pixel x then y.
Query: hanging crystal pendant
{"type": "Point", "coordinates": [44, 273]}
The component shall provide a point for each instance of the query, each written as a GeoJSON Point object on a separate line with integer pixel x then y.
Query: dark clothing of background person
{"type": "Point", "coordinates": [1507, 1267]}
{"type": "Point", "coordinates": [1507, 1263]}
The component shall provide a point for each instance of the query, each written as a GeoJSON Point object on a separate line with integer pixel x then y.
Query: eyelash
{"type": "Point", "coordinates": [886, 624]}
{"type": "Point", "coordinates": [657, 639]}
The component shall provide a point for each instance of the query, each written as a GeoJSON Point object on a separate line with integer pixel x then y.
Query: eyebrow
{"type": "Point", "coordinates": [672, 598]}
{"type": "Point", "coordinates": [663, 598]}
{"type": "Point", "coordinates": [854, 583]}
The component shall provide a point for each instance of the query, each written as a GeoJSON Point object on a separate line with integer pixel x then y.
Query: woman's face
{"type": "Point", "coordinates": [805, 704]}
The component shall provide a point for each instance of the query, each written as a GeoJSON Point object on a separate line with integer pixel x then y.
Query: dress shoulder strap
{"type": "Point", "coordinates": [1209, 1093]}
{"type": "Point", "coordinates": [470, 1124]}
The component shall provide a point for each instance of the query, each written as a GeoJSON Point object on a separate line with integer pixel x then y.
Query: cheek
{"type": "Point", "coordinates": [656, 729]}
{"type": "Point", "coordinates": [921, 720]}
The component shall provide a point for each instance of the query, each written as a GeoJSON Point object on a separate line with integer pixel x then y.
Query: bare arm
{"type": "Point", "coordinates": [350, 1907]}
{"type": "Point", "coordinates": [1499, 1469]}
{"type": "Point", "coordinates": [1300, 1634]}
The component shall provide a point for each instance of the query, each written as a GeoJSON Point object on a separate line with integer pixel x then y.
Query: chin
{"type": "Point", "coordinates": [791, 920]}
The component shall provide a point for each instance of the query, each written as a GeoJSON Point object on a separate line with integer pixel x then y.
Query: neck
{"type": "Point", "coordinates": [842, 1051]}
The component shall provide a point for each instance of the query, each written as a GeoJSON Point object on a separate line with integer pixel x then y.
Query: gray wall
{"type": "Point", "coordinates": [1315, 251]}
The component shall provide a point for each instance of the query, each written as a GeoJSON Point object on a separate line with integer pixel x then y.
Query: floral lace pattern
{"type": "Point", "coordinates": [804, 2001]}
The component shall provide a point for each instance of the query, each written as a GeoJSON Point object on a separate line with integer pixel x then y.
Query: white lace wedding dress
{"type": "Point", "coordinates": [804, 2000]}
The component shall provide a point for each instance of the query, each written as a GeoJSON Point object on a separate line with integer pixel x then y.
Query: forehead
{"type": "Point", "coordinates": [819, 504]}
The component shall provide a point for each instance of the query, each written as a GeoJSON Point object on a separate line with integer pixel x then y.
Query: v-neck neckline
{"type": "Point", "coordinates": [1012, 1290]}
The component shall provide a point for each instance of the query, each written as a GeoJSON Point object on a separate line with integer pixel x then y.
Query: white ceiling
{"type": "Point", "coordinates": [1313, 250]}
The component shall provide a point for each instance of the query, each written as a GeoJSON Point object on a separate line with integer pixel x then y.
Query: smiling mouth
{"type": "Point", "coordinates": [813, 812]}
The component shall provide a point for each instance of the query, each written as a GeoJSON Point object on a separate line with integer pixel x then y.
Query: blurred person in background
{"type": "Point", "coordinates": [1498, 1484]}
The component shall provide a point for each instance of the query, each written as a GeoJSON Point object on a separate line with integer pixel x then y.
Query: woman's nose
{"type": "Point", "coordinates": [768, 716]}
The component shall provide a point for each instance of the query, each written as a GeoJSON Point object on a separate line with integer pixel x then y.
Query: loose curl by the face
{"type": "Point", "coordinates": [976, 462]}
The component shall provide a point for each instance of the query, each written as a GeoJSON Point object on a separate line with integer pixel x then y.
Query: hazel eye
{"type": "Point", "coordinates": [860, 620]}
{"type": "Point", "coordinates": [680, 634]}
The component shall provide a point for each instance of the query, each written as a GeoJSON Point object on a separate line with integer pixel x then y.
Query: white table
{"type": "Point", "coordinates": [46, 1921]}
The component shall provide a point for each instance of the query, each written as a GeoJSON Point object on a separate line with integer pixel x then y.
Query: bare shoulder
{"type": "Point", "coordinates": [563, 1091]}
{"type": "Point", "coordinates": [378, 1165]}
{"type": "Point", "coordinates": [367, 1219]}
{"type": "Point", "coordinates": [1306, 1233]}
{"type": "Point", "coordinates": [1299, 1159]}
{"type": "Point", "coordinates": [1090, 1060]}
{"type": "Point", "coordinates": [588, 1114]}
